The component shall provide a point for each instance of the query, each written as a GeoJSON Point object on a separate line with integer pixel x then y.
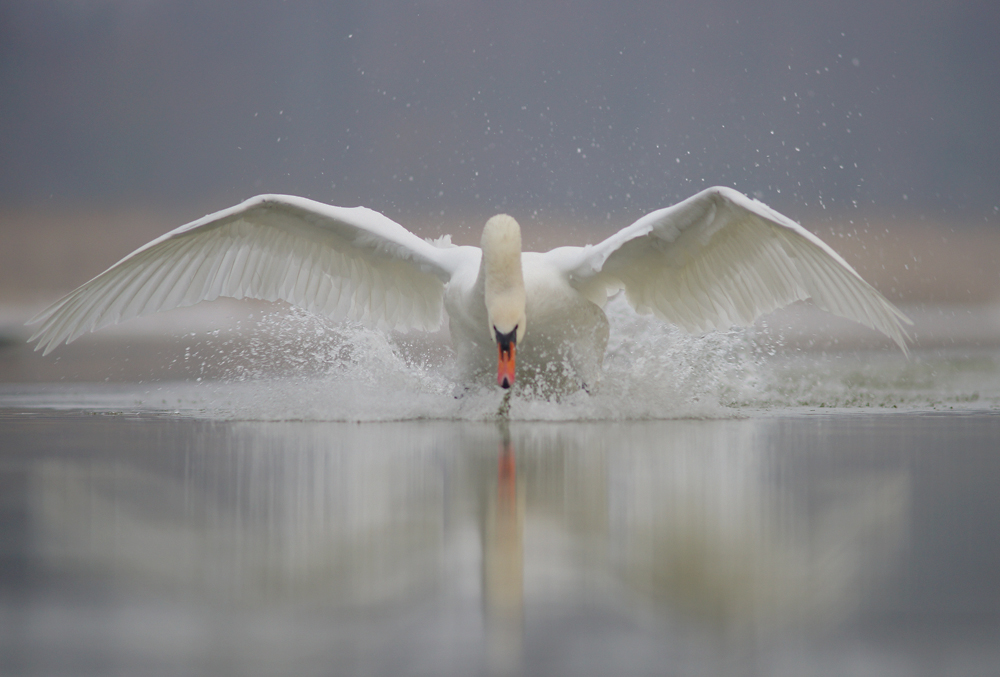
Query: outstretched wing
{"type": "Point", "coordinates": [340, 262]}
{"type": "Point", "coordinates": [719, 259]}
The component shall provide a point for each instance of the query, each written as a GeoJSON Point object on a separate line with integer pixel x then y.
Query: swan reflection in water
{"type": "Point", "coordinates": [503, 561]}
{"type": "Point", "coordinates": [423, 537]}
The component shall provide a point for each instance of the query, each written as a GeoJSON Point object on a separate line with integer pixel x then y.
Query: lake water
{"type": "Point", "coordinates": [143, 543]}
{"type": "Point", "coordinates": [317, 500]}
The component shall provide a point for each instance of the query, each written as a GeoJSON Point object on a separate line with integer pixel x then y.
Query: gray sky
{"type": "Point", "coordinates": [469, 107]}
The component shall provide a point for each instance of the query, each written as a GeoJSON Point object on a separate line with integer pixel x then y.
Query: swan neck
{"type": "Point", "coordinates": [504, 280]}
{"type": "Point", "coordinates": [502, 255]}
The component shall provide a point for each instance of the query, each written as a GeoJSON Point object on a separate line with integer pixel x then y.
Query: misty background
{"type": "Point", "coordinates": [121, 119]}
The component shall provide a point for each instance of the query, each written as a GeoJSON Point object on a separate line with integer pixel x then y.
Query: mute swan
{"type": "Point", "coordinates": [712, 261]}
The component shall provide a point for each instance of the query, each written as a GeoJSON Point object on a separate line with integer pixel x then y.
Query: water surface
{"type": "Point", "coordinates": [309, 498]}
{"type": "Point", "coordinates": [153, 543]}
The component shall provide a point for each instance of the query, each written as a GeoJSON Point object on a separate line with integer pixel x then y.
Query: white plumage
{"type": "Point", "coordinates": [714, 260]}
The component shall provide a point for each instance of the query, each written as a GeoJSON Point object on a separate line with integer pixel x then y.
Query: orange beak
{"type": "Point", "coordinates": [505, 366]}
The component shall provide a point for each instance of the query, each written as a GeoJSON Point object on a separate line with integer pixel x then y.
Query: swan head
{"type": "Point", "coordinates": [505, 298]}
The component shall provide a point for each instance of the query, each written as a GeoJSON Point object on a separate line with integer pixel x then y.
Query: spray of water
{"type": "Point", "coordinates": [294, 365]}
{"type": "Point", "coordinates": [291, 365]}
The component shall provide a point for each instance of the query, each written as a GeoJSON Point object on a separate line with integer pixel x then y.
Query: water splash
{"type": "Point", "coordinates": [294, 365]}
{"type": "Point", "coordinates": [291, 365]}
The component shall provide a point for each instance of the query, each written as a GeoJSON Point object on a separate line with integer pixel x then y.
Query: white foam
{"type": "Point", "coordinates": [291, 365]}
{"type": "Point", "coordinates": [294, 365]}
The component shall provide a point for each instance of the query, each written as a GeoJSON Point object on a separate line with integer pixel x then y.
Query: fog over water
{"type": "Point", "coordinates": [419, 108]}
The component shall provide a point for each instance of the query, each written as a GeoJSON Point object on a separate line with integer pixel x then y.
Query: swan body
{"type": "Point", "coordinates": [712, 261]}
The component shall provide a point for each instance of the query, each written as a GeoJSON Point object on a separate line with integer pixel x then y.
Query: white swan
{"type": "Point", "coordinates": [712, 261]}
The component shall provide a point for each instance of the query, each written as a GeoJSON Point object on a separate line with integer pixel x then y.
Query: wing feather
{"type": "Point", "coordinates": [343, 263]}
{"type": "Point", "coordinates": [719, 259]}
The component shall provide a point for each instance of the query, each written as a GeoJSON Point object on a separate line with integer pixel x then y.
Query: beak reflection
{"type": "Point", "coordinates": [503, 563]}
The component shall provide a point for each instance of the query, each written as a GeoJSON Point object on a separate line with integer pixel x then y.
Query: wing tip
{"type": "Point", "coordinates": [44, 340]}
